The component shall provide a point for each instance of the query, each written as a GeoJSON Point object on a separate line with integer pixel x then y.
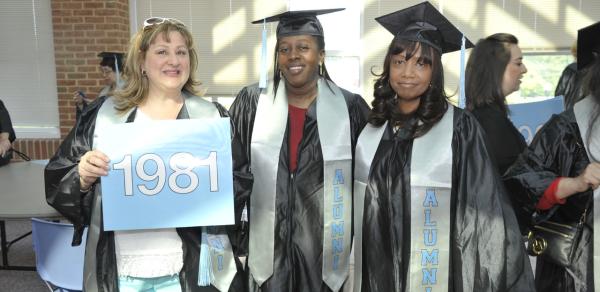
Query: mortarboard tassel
{"type": "Point", "coordinates": [118, 77]}
{"type": "Point", "coordinates": [263, 58]}
{"type": "Point", "coordinates": [461, 95]}
{"type": "Point", "coordinates": [205, 265]}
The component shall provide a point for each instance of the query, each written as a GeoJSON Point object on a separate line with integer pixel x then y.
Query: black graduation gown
{"type": "Point", "coordinates": [487, 252]}
{"type": "Point", "coordinates": [505, 143]}
{"type": "Point", "coordinates": [557, 151]}
{"type": "Point", "coordinates": [62, 193]}
{"type": "Point", "coordinates": [298, 243]}
{"type": "Point", "coordinates": [570, 85]}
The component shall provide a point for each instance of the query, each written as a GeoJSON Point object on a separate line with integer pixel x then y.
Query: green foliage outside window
{"type": "Point", "coordinates": [543, 72]}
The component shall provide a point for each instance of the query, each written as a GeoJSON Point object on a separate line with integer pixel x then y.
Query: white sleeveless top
{"type": "Point", "coordinates": [148, 253]}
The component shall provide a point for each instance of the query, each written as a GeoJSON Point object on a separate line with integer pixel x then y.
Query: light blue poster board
{"type": "Point", "coordinates": [528, 118]}
{"type": "Point", "coordinates": [166, 174]}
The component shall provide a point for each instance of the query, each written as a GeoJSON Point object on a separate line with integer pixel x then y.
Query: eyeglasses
{"type": "Point", "coordinates": [105, 71]}
{"type": "Point", "coordinates": [158, 20]}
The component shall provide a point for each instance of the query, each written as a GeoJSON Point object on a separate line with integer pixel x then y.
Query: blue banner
{"type": "Point", "coordinates": [166, 174]}
{"type": "Point", "coordinates": [530, 117]}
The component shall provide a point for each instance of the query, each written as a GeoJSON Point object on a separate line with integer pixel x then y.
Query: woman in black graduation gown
{"type": "Point", "coordinates": [160, 85]}
{"type": "Point", "coordinates": [7, 135]}
{"type": "Point", "coordinates": [288, 197]}
{"type": "Point", "coordinates": [494, 71]}
{"type": "Point", "coordinates": [483, 250]}
{"type": "Point", "coordinates": [110, 67]}
{"type": "Point", "coordinates": [556, 176]}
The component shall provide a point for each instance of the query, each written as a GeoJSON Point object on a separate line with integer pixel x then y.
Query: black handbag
{"type": "Point", "coordinates": [555, 242]}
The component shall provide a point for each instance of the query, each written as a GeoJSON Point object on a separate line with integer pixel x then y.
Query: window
{"type": "Point", "coordinates": [342, 52]}
{"type": "Point", "coordinates": [547, 26]}
{"type": "Point", "coordinates": [229, 46]}
{"type": "Point", "coordinates": [28, 75]}
{"type": "Point", "coordinates": [543, 72]}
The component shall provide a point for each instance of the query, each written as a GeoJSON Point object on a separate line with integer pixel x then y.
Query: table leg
{"type": "Point", "coordinates": [8, 244]}
{"type": "Point", "coordinates": [3, 244]}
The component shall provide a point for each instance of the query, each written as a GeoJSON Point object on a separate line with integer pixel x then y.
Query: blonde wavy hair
{"type": "Point", "coordinates": [135, 89]}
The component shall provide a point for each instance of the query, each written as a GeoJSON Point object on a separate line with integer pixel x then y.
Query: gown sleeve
{"type": "Point", "coordinates": [61, 176]}
{"type": "Point", "coordinates": [556, 151]}
{"type": "Point", "coordinates": [242, 113]}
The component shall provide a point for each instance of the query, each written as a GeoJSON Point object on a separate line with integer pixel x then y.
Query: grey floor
{"type": "Point", "coordinates": [20, 253]}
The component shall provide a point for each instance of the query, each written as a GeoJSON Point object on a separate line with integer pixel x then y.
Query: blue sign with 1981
{"type": "Point", "coordinates": [166, 174]}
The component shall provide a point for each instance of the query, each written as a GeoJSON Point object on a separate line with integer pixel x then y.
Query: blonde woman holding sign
{"type": "Point", "coordinates": [160, 83]}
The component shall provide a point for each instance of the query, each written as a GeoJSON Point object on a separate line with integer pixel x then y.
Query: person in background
{"type": "Point", "coordinates": [160, 84]}
{"type": "Point", "coordinates": [110, 67]}
{"type": "Point", "coordinates": [559, 174]}
{"type": "Point", "coordinates": [7, 135]}
{"type": "Point", "coordinates": [435, 216]}
{"type": "Point", "coordinates": [569, 84]}
{"type": "Point", "coordinates": [494, 70]}
{"type": "Point", "coordinates": [296, 139]}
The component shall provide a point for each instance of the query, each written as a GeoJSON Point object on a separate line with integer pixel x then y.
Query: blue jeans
{"type": "Point", "coordinates": [158, 284]}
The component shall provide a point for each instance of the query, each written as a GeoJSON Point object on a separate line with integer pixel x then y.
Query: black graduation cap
{"type": "Point", "coordinates": [110, 54]}
{"type": "Point", "coordinates": [299, 22]}
{"type": "Point", "coordinates": [424, 23]}
{"type": "Point", "coordinates": [588, 45]}
{"type": "Point", "coordinates": [112, 58]}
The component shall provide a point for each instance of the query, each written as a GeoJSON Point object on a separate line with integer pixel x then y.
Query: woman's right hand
{"type": "Point", "coordinates": [92, 165]}
{"type": "Point", "coordinates": [589, 178]}
{"type": "Point", "coordinates": [78, 99]}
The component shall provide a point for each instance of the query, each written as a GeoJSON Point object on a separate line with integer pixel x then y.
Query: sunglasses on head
{"type": "Point", "coordinates": [158, 20]}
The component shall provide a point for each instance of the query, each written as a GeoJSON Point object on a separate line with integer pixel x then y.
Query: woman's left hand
{"type": "Point", "coordinates": [5, 145]}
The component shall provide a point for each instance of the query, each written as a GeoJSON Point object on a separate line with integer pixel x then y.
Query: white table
{"type": "Point", "coordinates": [22, 196]}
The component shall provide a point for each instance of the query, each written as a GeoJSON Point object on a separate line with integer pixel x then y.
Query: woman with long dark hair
{"type": "Point", "coordinates": [494, 71]}
{"type": "Point", "coordinates": [430, 212]}
{"type": "Point", "coordinates": [558, 175]}
{"type": "Point", "coordinates": [298, 136]}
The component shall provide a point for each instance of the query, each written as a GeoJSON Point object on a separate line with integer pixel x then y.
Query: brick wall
{"type": "Point", "coordinates": [82, 29]}
{"type": "Point", "coordinates": [36, 148]}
